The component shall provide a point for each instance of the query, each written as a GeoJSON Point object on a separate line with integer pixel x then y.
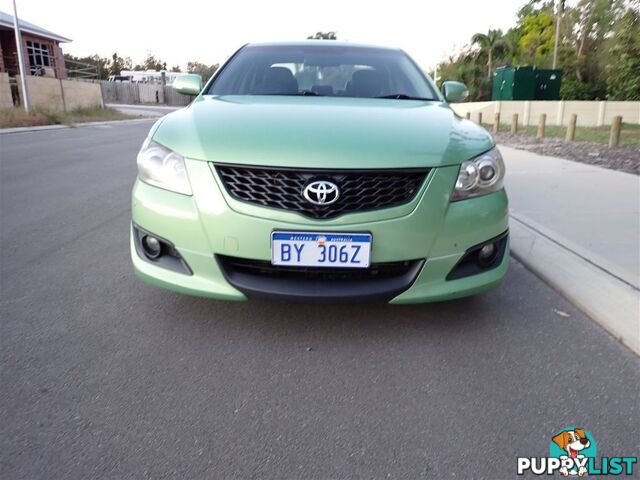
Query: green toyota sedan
{"type": "Point", "coordinates": [320, 171]}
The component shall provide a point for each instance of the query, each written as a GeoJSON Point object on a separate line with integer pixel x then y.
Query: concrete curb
{"type": "Point", "coordinates": [6, 131]}
{"type": "Point", "coordinates": [144, 106]}
{"type": "Point", "coordinates": [604, 295]}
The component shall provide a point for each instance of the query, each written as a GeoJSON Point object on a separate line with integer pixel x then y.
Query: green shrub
{"type": "Point", "coordinates": [572, 89]}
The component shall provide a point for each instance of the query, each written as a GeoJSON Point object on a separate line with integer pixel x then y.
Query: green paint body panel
{"type": "Point", "coordinates": [319, 132]}
{"type": "Point", "coordinates": [327, 132]}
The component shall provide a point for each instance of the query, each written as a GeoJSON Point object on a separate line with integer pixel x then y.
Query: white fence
{"type": "Point", "coordinates": [590, 113]}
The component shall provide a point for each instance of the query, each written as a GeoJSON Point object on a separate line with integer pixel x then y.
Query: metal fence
{"type": "Point", "coordinates": [143, 93]}
{"type": "Point", "coordinates": [77, 69]}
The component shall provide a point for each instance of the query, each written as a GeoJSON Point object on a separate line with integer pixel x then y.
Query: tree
{"type": "Point", "coordinates": [466, 67]}
{"type": "Point", "coordinates": [176, 68]}
{"type": "Point", "coordinates": [623, 73]}
{"type": "Point", "coordinates": [511, 42]}
{"type": "Point", "coordinates": [536, 43]}
{"type": "Point", "coordinates": [117, 64]}
{"type": "Point", "coordinates": [323, 36]}
{"type": "Point", "coordinates": [489, 42]}
{"type": "Point", "coordinates": [598, 49]}
{"type": "Point", "coordinates": [152, 63]}
{"type": "Point", "coordinates": [205, 71]}
{"type": "Point", "coordinates": [593, 23]}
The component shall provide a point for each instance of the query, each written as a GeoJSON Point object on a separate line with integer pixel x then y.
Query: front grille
{"type": "Point", "coordinates": [360, 190]}
{"type": "Point", "coordinates": [266, 269]}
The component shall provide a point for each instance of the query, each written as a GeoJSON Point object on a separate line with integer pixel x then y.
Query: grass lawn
{"type": "Point", "coordinates": [629, 135]}
{"type": "Point", "coordinates": [16, 117]}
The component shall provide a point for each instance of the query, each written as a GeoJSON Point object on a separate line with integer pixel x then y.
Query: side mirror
{"type": "Point", "coordinates": [454, 91]}
{"type": "Point", "coordinates": [189, 84]}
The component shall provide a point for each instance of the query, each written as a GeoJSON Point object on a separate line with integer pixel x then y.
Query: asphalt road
{"type": "Point", "coordinates": [105, 377]}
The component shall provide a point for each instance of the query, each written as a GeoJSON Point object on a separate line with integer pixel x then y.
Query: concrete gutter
{"type": "Point", "coordinates": [144, 106]}
{"type": "Point", "coordinates": [4, 131]}
{"type": "Point", "coordinates": [146, 110]}
{"type": "Point", "coordinates": [591, 284]}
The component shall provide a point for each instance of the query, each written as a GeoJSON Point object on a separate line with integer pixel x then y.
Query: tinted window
{"type": "Point", "coordinates": [321, 70]}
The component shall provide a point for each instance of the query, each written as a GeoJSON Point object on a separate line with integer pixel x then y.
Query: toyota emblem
{"type": "Point", "coordinates": [321, 192]}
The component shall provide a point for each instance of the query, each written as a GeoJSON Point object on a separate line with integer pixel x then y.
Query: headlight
{"type": "Point", "coordinates": [479, 176]}
{"type": "Point", "coordinates": [162, 168]}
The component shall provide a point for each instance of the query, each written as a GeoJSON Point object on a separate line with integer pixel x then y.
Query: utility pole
{"type": "Point", "coordinates": [555, 43]}
{"type": "Point", "coordinates": [23, 73]}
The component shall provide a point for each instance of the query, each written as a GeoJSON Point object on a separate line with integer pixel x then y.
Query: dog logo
{"type": "Point", "coordinates": [574, 443]}
{"type": "Point", "coordinates": [573, 453]}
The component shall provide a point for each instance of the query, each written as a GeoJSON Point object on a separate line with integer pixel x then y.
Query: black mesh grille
{"type": "Point", "coordinates": [360, 190]}
{"type": "Point", "coordinates": [266, 269]}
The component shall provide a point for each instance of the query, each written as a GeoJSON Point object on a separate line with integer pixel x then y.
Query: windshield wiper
{"type": "Point", "coordinates": [301, 93]}
{"type": "Point", "coordinates": [403, 96]}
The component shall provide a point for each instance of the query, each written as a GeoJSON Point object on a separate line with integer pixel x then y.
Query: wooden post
{"type": "Point", "coordinates": [614, 136]}
{"type": "Point", "coordinates": [64, 102]}
{"type": "Point", "coordinates": [571, 129]}
{"type": "Point", "coordinates": [479, 118]}
{"type": "Point", "coordinates": [541, 124]}
{"type": "Point", "coordinates": [163, 84]}
{"type": "Point", "coordinates": [514, 123]}
{"type": "Point", "coordinates": [467, 115]}
{"type": "Point", "coordinates": [496, 122]}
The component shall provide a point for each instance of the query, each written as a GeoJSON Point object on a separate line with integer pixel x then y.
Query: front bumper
{"type": "Point", "coordinates": [210, 223]}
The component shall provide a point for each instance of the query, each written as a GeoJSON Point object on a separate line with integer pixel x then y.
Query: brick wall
{"type": "Point", "coordinates": [9, 59]}
{"type": "Point", "coordinates": [8, 55]}
{"type": "Point", "coordinates": [58, 56]}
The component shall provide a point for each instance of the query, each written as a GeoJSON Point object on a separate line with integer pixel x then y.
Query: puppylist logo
{"type": "Point", "coordinates": [573, 452]}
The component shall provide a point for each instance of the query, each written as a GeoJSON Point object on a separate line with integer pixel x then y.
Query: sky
{"type": "Point", "coordinates": [210, 31]}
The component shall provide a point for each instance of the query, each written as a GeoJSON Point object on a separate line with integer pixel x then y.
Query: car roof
{"type": "Point", "coordinates": [319, 43]}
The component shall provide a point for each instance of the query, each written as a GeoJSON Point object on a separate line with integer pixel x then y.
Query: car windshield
{"type": "Point", "coordinates": [322, 70]}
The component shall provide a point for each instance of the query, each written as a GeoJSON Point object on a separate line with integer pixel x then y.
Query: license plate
{"type": "Point", "coordinates": [348, 250]}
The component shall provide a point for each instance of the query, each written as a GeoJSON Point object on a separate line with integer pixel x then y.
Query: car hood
{"type": "Point", "coordinates": [321, 132]}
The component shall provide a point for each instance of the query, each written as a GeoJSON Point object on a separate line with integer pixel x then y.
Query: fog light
{"type": "Point", "coordinates": [487, 254]}
{"type": "Point", "coordinates": [151, 246]}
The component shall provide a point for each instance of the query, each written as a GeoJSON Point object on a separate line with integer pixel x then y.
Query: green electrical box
{"type": "Point", "coordinates": [526, 83]}
{"type": "Point", "coordinates": [548, 84]}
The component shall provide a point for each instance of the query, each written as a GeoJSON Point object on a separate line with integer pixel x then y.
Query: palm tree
{"type": "Point", "coordinates": [490, 41]}
{"type": "Point", "coordinates": [511, 45]}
